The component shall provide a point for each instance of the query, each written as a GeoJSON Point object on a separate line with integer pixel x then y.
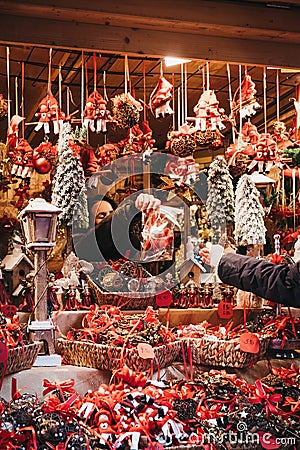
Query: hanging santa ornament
{"type": "Point", "coordinates": [246, 103]}
{"type": "Point", "coordinates": [3, 107]}
{"type": "Point", "coordinates": [49, 112]}
{"type": "Point", "coordinates": [95, 114]}
{"type": "Point", "coordinates": [161, 97]}
{"type": "Point", "coordinates": [21, 157]}
{"type": "Point", "coordinates": [208, 113]}
{"type": "Point", "coordinates": [49, 108]}
{"type": "Point", "coordinates": [265, 154]}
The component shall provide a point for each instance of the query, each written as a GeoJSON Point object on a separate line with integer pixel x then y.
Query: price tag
{"type": "Point", "coordinates": [249, 343]}
{"type": "Point", "coordinates": [225, 310]}
{"type": "Point", "coordinates": [164, 298]}
{"type": "Point", "coordinates": [145, 351]}
{"type": "Point", "coordinates": [3, 353]}
{"type": "Point", "coordinates": [8, 310]}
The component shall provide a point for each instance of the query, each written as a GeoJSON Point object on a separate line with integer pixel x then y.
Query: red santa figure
{"type": "Point", "coordinates": [21, 156]}
{"type": "Point", "coordinates": [160, 98]}
{"type": "Point", "coordinates": [95, 112]}
{"type": "Point", "coordinates": [208, 113]}
{"type": "Point", "coordinates": [266, 154]}
{"type": "Point", "coordinates": [49, 111]}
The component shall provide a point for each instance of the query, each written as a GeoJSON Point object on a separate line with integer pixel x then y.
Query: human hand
{"type": "Point", "coordinates": [147, 202]}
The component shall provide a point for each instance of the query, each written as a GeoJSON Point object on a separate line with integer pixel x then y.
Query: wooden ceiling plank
{"type": "Point", "coordinates": [89, 37]}
{"type": "Point", "coordinates": [222, 16]}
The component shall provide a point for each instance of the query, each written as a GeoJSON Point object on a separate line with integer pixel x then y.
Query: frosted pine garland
{"type": "Point", "coordinates": [249, 214]}
{"type": "Point", "coordinates": [220, 198]}
{"type": "Point", "coordinates": [69, 192]}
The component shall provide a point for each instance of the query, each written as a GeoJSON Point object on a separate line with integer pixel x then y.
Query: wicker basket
{"type": "Point", "coordinates": [21, 358]}
{"type": "Point", "coordinates": [225, 353]}
{"type": "Point", "coordinates": [105, 357]}
{"type": "Point", "coordinates": [124, 300]}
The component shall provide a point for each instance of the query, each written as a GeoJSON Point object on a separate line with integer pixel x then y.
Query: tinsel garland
{"type": "Point", "coordinates": [249, 214]}
{"type": "Point", "coordinates": [69, 182]}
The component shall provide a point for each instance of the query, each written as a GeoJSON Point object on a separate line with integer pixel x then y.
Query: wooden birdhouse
{"type": "Point", "coordinates": [192, 270]}
{"type": "Point", "coordinates": [16, 267]}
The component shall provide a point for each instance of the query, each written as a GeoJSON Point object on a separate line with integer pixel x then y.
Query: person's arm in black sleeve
{"type": "Point", "coordinates": [274, 282]}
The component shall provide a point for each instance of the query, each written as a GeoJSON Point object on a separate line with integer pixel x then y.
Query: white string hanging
{"type": "Point", "coordinates": [207, 76]}
{"type": "Point", "coordinates": [178, 108]}
{"type": "Point", "coordinates": [82, 87]}
{"type": "Point", "coordinates": [59, 87]}
{"type": "Point", "coordinates": [230, 99]}
{"type": "Point", "coordinates": [49, 70]}
{"type": "Point", "coordinates": [8, 85]}
{"type": "Point", "coordinates": [185, 92]}
{"type": "Point", "coordinates": [265, 96]}
{"type": "Point", "coordinates": [277, 95]}
{"type": "Point", "coordinates": [240, 89]}
{"type": "Point", "coordinates": [126, 74]}
{"type": "Point", "coordinates": [182, 95]}
{"type": "Point", "coordinates": [16, 96]}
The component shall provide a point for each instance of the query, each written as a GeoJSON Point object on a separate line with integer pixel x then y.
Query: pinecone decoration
{"type": "Point", "coordinates": [249, 214]}
{"type": "Point", "coordinates": [183, 146]}
{"type": "Point", "coordinates": [240, 167]}
{"type": "Point", "coordinates": [220, 199]}
{"type": "Point", "coordinates": [205, 138]}
{"type": "Point", "coordinates": [3, 107]}
{"type": "Point", "coordinates": [126, 113]}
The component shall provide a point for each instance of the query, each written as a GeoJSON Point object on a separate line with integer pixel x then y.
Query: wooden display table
{"type": "Point", "coordinates": [198, 315]}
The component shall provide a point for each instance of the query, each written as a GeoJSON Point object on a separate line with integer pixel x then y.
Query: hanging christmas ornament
{"type": "Point", "coordinates": [107, 153]}
{"type": "Point", "coordinates": [182, 143]}
{"type": "Point", "coordinates": [126, 110]}
{"type": "Point", "coordinates": [280, 135]}
{"type": "Point", "coordinates": [249, 133]}
{"type": "Point", "coordinates": [160, 98]}
{"type": "Point", "coordinates": [265, 154]}
{"type": "Point", "coordinates": [246, 103]}
{"type": "Point", "coordinates": [208, 113]}
{"type": "Point", "coordinates": [49, 112]}
{"type": "Point", "coordinates": [12, 132]}
{"type": "Point", "coordinates": [137, 140]}
{"type": "Point", "coordinates": [21, 158]}
{"type": "Point", "coordinates": [44, 157]}
{"type": "Point", "coordinates": [95, 114]}
{"type": "Point", "coordinates": [3, 107]}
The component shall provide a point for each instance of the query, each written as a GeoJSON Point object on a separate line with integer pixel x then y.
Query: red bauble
{"type": "Point", "coordinates": [41, 165]}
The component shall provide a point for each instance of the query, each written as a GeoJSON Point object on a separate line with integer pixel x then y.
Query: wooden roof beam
{"type": "Point", "coordinates": [208, 30]}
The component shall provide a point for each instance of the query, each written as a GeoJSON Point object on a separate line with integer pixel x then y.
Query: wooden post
{"type": "Point", "coordinates": [40, 284]}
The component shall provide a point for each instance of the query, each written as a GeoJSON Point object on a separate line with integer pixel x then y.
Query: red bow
{"type": "Point", "coordinates": [65, 386]}
{"type": "Point", "coordinates": [269, 398]}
